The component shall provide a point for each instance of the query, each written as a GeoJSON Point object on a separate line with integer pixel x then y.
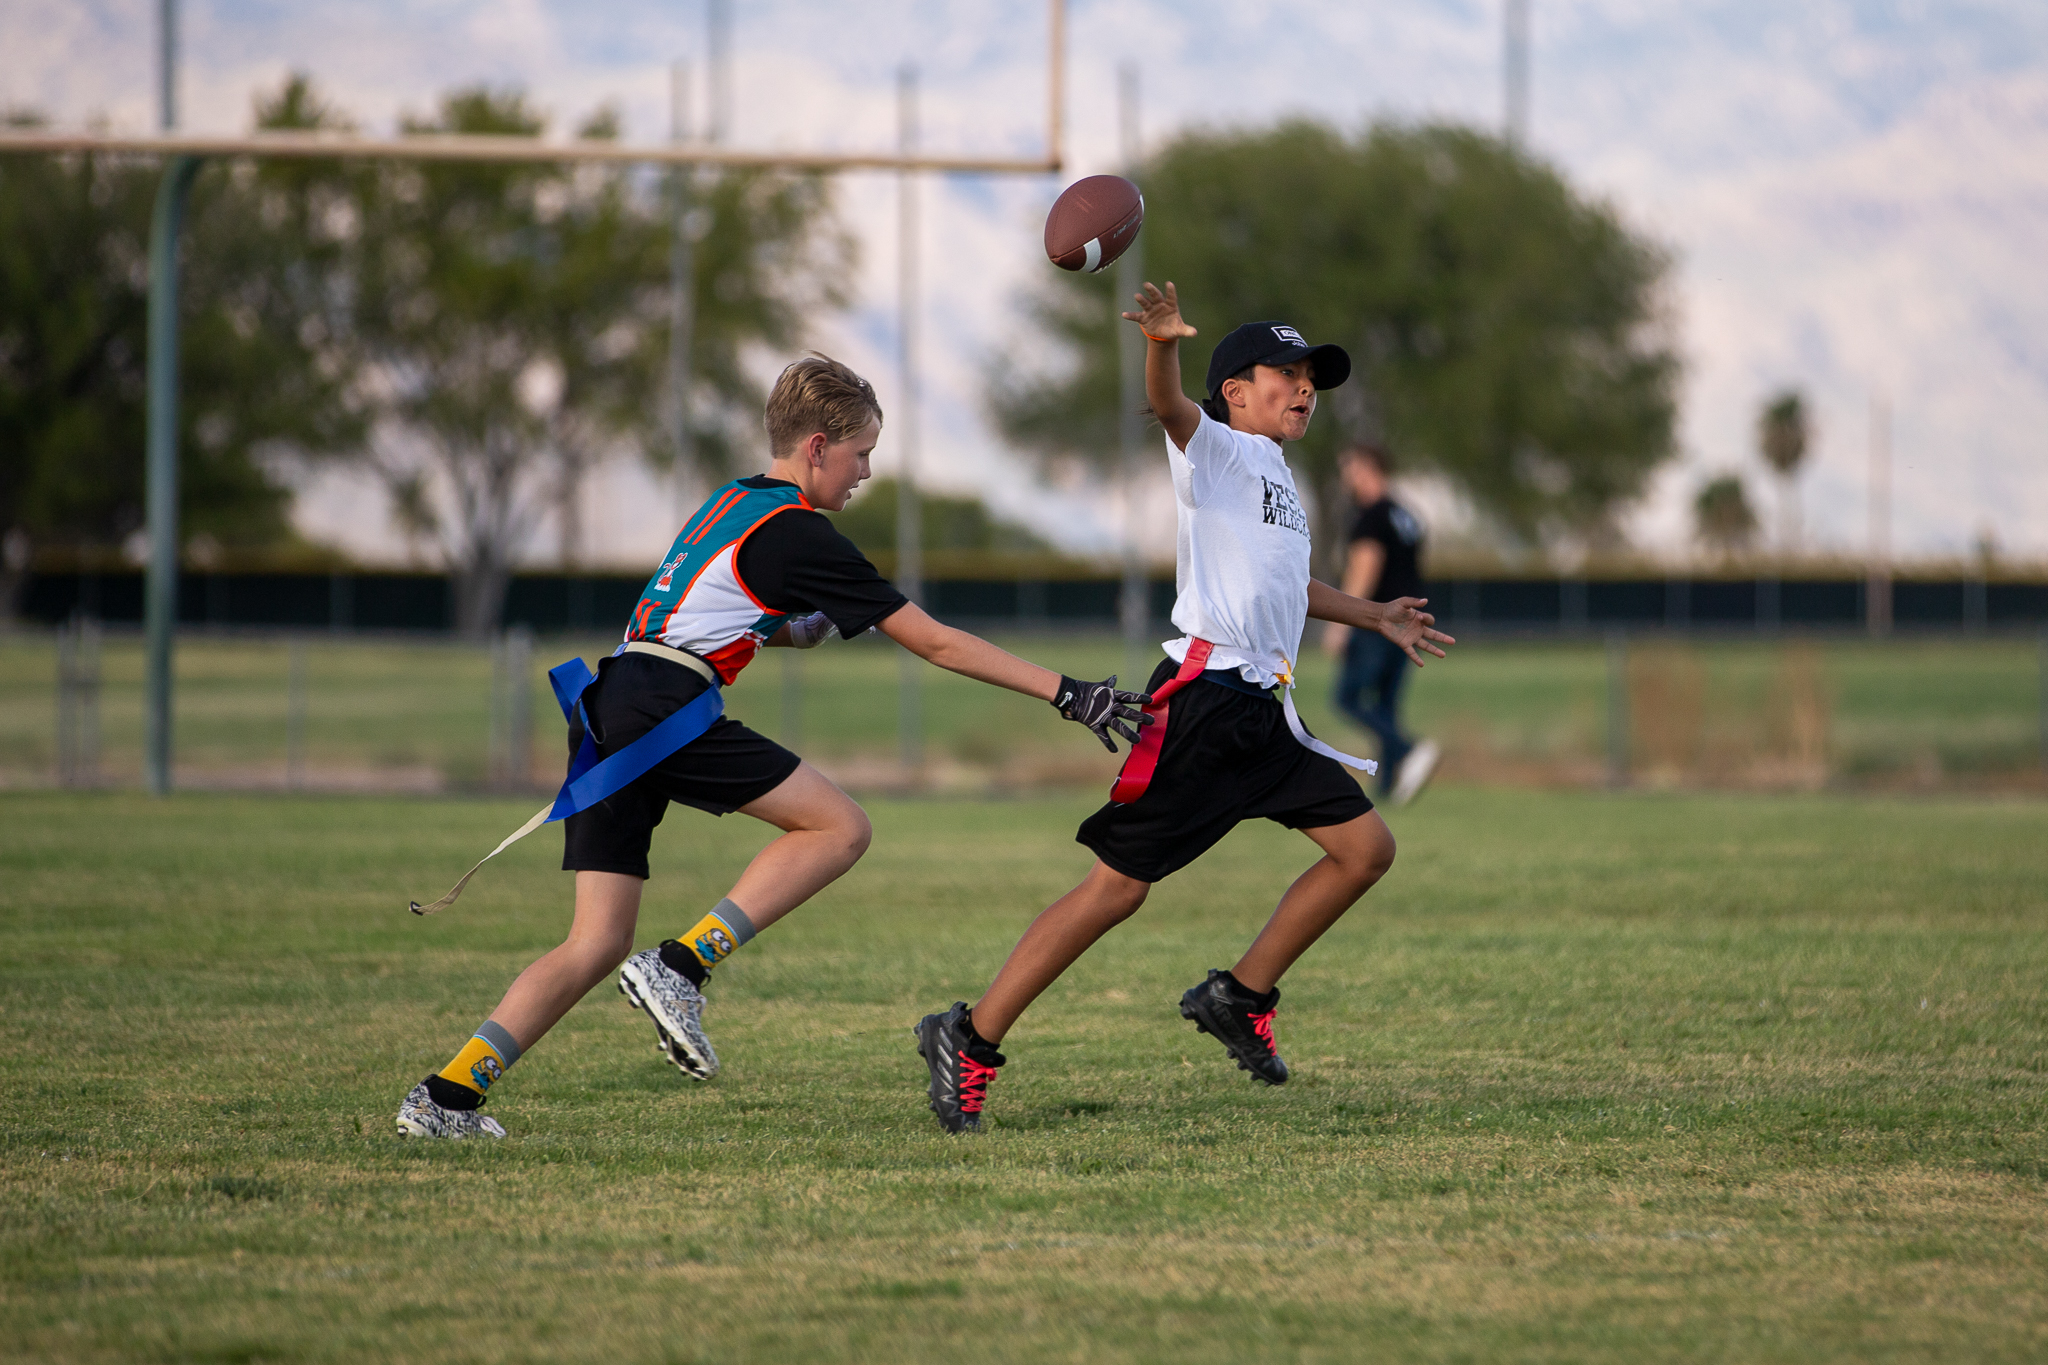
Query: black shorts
{"type": "Point", "coordinates": [721, 770]}
{"type": "Point", "coordinates": [1228, 756]}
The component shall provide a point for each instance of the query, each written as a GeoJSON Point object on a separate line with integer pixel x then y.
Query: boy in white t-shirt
{"type": "Point", "coordinates": [1220, 749]}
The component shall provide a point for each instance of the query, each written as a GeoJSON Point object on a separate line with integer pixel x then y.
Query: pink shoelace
{"type": "Point", "coordinates": [974, 1079]}
{"type": "Point", "coordinates": [1262, 1024]}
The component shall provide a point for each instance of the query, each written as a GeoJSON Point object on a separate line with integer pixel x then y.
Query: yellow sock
{"type": "Point", "coordinates": [483, 1058]}
{"type": "Point", "coordinates": [714, 937]}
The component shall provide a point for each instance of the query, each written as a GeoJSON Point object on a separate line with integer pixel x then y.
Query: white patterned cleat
{"type": "Point", "coordinates": [676, 1007]}
{"type": "Point", "coordinates": [419, 1116]}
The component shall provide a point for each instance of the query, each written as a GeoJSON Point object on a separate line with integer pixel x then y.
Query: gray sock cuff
{"type": "Point", "coordinates": [492, 1032]}
{"type": "Point", "coordinates": [742, 927]}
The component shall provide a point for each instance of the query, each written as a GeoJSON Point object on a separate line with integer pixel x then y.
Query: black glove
{"type": "Point", "coordinates": [1100, 707]}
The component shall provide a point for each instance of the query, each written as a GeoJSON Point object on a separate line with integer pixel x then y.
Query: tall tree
{"type": "Point", "coordinates": [449, 290]}
{"type": "Point", "coordinates": [1506, 330]}
{"type": "Point", "coordinates": [1782, 436]}
{"type": "Point", "coordinates": [508, 324]}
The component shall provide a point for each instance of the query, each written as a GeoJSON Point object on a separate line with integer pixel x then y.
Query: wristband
{"type": "Point", "coordinates": [1149, 337]}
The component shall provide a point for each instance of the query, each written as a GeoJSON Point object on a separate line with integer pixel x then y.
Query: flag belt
{"type": "Point", "coordinates": [1136, 774]}
{"type": "Point", "coordinates": [592, 779]}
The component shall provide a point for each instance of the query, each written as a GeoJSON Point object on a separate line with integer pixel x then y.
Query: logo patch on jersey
{"type": "Point", "coordinates": [668, 571]}
{"type": "Point", "coordinates": [1289, 335]}
{"type": "Point", "coordinates": [1405, 525]}
{"type": "Point", "coordinates": [1283, 508]}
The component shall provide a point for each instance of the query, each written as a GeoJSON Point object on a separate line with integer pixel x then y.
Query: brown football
{"type": "Point", "coordinates": [1093, 222]}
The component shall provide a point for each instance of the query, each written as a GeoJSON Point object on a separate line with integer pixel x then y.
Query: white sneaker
{"type": "Point", "coordinates": [676, 1008]}
{"type": "Point", "coordinates": [419, 1116]}
{"type": "Point", "coordinates": [1415, 772]}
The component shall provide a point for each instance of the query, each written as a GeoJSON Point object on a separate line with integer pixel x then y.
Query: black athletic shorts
{"type": "Point", "coordinates": [1228, 756]}
{"type": "Point", "coordinates": [721, 770]}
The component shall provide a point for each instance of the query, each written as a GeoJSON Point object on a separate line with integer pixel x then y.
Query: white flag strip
{"type": "Point", "coordinates": [1368, 766]}
{"type": "Point", "coordinates": [1283, 670]}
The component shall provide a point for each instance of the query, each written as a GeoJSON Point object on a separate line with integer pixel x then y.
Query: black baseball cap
{"type": "Point", "coordinates": [1274, 343]}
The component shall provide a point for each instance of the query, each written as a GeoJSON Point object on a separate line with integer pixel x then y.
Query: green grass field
{"type": "Point", "coordinates": [1907, 714]}
{"type": "Point", "coordinates": [1587, 1079]}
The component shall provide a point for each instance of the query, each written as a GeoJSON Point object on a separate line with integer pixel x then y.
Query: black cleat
{"type": "Point", "coordinates": [959, 1081]}
{"type": "Point", "coordinates": [1241, 1021]}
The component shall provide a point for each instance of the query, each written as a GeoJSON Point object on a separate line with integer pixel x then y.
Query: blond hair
{"type": "Point", "coordinates": [815, 394]}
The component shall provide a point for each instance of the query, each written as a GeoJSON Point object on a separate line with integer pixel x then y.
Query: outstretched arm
{"type": "Point", "coordinates": [1097, 705]}
{"type": "Point", "coordinates": [968, 655]}
{"type": "Point", "coordinates": [1402, 620]}
{"type": "Point", "coordinates": [1158, 317]}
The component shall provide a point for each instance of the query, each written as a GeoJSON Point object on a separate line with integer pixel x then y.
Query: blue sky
{"type": "Point", "coordinates": [1855, 193]}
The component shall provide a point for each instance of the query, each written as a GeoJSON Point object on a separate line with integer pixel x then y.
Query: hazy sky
{"type": "Point", "coordinates": [1856, 194]}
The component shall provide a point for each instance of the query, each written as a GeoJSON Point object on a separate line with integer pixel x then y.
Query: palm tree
{"type": "Point", "coordinates": [1782, 436]}
{"type": "Point", "coordinates": [1722, 512]}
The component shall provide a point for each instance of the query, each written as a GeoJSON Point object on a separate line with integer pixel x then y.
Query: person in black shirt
{"type": "Point", "coordinates": [1384, 561]}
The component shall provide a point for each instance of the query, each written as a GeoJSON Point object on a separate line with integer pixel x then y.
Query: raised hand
{"type": "Point", "coordinates": [1404, 621]}
{"type": "Point", "coordinates": [1102, 708]}
{"type": "Point", "coordinates": [1158, 313]}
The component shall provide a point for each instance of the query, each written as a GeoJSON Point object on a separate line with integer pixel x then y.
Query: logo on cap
{"type": "Point", "coordinates": [1289, 335]}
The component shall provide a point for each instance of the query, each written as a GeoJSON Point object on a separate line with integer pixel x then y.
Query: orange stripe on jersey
{"type": "Point", "coordinates": [697, 518]}
{"type": "Point", "coordinates": [725, 505]}
{"type": "Point", "coordinates": [705, 517]}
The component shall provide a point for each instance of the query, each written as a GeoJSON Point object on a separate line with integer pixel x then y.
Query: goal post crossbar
{"type": "Point", "coordinates": [318, 144]}
{"type": "Point", "coordinates": [482, 148]}
{"type": "Point", "coordinates": [182, 155]}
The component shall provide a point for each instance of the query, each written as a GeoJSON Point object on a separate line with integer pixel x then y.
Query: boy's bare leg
{"type": "Point", "coordinates": [824, 833]}
{"type": "Point", "coordinates": [607, 907]}
{"type": "Point", "coordinates": [1061, 933]}
{"type": "Point", "coordinates": [1355, 855]}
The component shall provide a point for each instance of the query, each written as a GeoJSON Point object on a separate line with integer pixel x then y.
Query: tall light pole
{"type": "Point", "coordinates": [718, 44]}
{"type": "Point", "coordinates": [909, 549]}
{"type": "Point", "coordinates": [167, 64]}
{"type": "Point", "coordinates": [1130, 354]}
{"type": "Point", "coordinates": [682, 294]}
{"type": "Point", "coordinates": [682, 252]}
{"type": "Point", "coordinates": [1878, 589]}
{"type": "Point", "coordinates": [1515, 70]}
{"type": "Point", "coordinates": [160, 589]}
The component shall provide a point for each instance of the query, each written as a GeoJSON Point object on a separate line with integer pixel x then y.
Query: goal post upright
{"type": "Point", "coordinates": [160, 589]}
{"type": "Point", "coordinates": [183, 153]}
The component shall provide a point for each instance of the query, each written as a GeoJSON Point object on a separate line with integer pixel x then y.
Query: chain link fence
{"type": "Point", "coordinates": [336, 711]}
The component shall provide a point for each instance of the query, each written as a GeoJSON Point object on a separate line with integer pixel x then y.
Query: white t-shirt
{"type": "Point", "coordinates": [1240, 551]}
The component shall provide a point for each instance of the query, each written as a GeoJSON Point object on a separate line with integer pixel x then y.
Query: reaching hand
{"type": "Point", "coordinates": [1409, 626]}
{"type": "Point", "coordinates": [808, 632]}
{"type": "Point", "coordinates": [1100, 707]}
{"type": "Point", "coordinates": [1158, 314]}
